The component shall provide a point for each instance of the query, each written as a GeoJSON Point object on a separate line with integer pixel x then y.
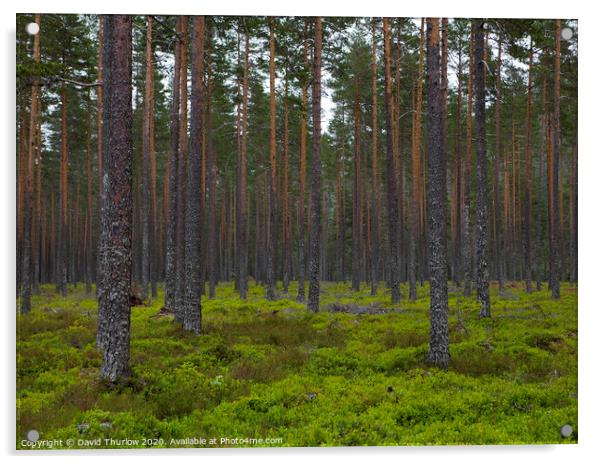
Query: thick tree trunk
{"type": "Point", "coordinates": [439, 335]}
{"type": "Point", "coordinates": [192, 308]}
{"type": "Point", "coordinates": [117, 212]}
{"type": "Point", "coordinates": [316, 173]}
{"type": "Point", "coordinates": [482, 217]}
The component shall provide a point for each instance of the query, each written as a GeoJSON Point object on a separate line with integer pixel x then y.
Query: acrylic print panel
{"type": "Point", "coordinates": [295, 231]}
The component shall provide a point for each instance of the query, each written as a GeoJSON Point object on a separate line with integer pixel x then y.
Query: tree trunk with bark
{"type": "Point", "coordinates": [392, 190]}
{"type": "Point", "coordinates": [438, 354]}
{"type": "Point", "coordinates": [482, 216]}
{"type": "Point", "coordinates": [114, 301]}
{"type": "Point", "coordinates": [194, 220]}
{"type": "Point", "coordinates": [316, 173]}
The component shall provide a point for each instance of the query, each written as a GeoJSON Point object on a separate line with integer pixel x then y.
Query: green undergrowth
{"type": "Point", "coordinates": [272, 370]}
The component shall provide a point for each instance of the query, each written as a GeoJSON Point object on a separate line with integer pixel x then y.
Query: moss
{"type": "Point", "coordinates": [272, 369]}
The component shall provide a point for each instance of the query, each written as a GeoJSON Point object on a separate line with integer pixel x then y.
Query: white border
{"type": "Point", "coordinates": [590, 172]}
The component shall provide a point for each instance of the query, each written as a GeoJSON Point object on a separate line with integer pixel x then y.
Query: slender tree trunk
{"type": "Point", "coordinates": [302, 174]}
{"type": "Point", "coordinates": [439, 335]}
{"type": "Point", "coordinates": [117, 213]}
{"type": "Point", "coordinates": [528, 169]}
{"type": "Point", "coordinates": [286, 251]}
{"type": "Point", "coordinates": [88, 236]}
{"type": "Point", "coordinates": [99, 161]}
{"type": "Point", "coordinates": [243, 251]}
{"type": "Point", "coordinates": [499, 233]}
{"type": "Point", "coordinates": [313, 303]}
{"type": "Point", "coordinates": [64, 188]}
{"type": "Point", "coordinates": [182, 180]}
{"type": "Point", "coordinates": [271, 232]}
{"type": "Point", "coordinates": [415, 222]}
{"type": "Point", "coordinates": [212, 170]}
{"type": "Point", "coordinates": [574, 222]}
{"type": "Point", "coordinates": [392, 190]}
{"type": "Point", "coordinates": [146, 168]}
{"type": "Point", "coordinates": [555, 263]}
{"type": "Point", "coordinates": [28, 190]}
{"type": "Point", "coordinates": [467, 262]}
{"type": "Point", "coordinates": [459, 200]}
{"type": "Point", "coordinates": [374, 191]}
{"type": "Point", "coordinates": [171, 219]}
{"type": "Point", "coordinates": [356, 220]}
{"type": "Point", "coordinates": [482, 219]}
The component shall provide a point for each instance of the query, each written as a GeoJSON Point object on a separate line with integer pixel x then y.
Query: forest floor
{"type": "Point", "coordinates": [272, 371]}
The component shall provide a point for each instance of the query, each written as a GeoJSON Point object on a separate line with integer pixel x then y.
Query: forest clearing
{"type": "Point", "coordinates": [295, 231]}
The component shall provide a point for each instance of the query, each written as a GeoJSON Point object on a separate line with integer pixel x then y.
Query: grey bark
{"type": "Point", "coordinates": [436, 195]}
{"type": "Point", "coordinates": [482, 217]}
{"type": "Point", "coordinates": [117, 212]}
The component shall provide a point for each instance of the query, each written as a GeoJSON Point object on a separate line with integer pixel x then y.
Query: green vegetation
{"type": "Point", "coordinates": [274, 370]}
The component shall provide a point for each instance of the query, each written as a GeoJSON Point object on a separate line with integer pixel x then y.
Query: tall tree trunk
{"type": "Point", "coordinates": [117, 214]}
{"type": "Point", "coordinates": [88, 236]}
{"type": "Point", "coordinates": [356, 220]}
{"type": "Point", "coordinates": [271, 232]}
{"type": "Point", "coordinates": [171, 219]}
{"type": "Point", "coordinates": [286, 251]}
{"type": "Point", "coordinates": [415, 222]}
{"type": "Point", "coordinates": [194, 224]}
{"type": "Point", "coordinates": [64, 188]}
{"type": "Point", "coordinates": [241, 205]}
{"type": "Point", "coordinates": [374, 184]}
{"type": "Point", "coordinates": [482, 219]}
{"type": "Point", "coordinates": [555, 249]}
{"type": "Point", "coordinates": [212, 171]}
{"type": "Point", "coordinates": [182, 180]}
{"type": "Point", "coordinates": [28, 190]}
{"type": "Point", "coordinates": [99, 160]}
{"type": "Point", "coordinates": [147, 246]}
{"type": "Point", "coordinates": [302, 172]}
{"type": "Point", "coordinates": [316, 173]}
{"type": "Point", "coordinates": [499, 241]}
{"type": "Point", "coordinates": [467, 261]}
{"type": "Point", "coordinates": [439, 335]}
{"type": "Point", "coordinates": [528, 169]}
{"type": "Point", "coordinates": [459, 200]}
{"type": "Point", "coordinates": [392, 190]}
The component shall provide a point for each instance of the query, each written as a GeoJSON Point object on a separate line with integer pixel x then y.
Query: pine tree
{"type": "Point", "coordinates": [114, 301]}
{"type": "Point", "coordinates": [313, 303]}
{"type": "Point", "coordinates": [437, 235]}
